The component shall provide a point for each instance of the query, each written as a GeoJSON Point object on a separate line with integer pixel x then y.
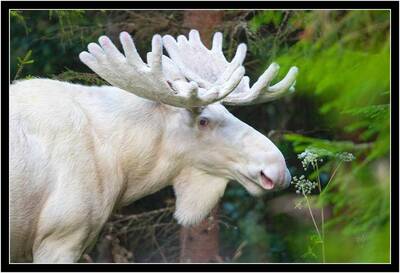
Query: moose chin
{"type": "Point", "coordinates": [79, 152]}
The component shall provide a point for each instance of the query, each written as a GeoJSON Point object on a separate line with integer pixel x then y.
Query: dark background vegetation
{"type": "Point", "coordinates": [341, 103]}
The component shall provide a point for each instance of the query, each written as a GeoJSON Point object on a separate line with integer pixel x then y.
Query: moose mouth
{"type": "Point", "coordinates": [263, 182]}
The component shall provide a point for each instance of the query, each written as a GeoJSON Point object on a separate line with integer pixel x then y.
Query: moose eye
{"type": "Point", "coordinates": [203, 122]}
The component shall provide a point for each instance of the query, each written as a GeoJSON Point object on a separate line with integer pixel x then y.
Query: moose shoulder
{"type": "Point", "coordinates": [78, 152]}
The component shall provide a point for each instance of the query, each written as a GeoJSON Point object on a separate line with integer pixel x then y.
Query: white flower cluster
{"type": "Point", "coordinates": [303, 185]}
{"type": "Point", "coordinates": [345, 156]}
{"type": "Point", "coordinates": [307, 157]}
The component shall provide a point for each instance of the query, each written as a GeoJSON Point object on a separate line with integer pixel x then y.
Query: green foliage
{"type": "Point", "coordinates": [79, 77]}
{"type": "Point", "coordinates": [52, 33]}
{"type": "Point", "coordinates": [67, 22]}
{"type": "Point", "coordinates": [343, 59]}
{"type": "Point", "coordinates": [265, 18]}
{"type": "Point", "coordinates": [22, 61]}
{"type": "Point", "coordinates": [256, 238]}
{"type": "Point", "coordinates": [373, 124]}
{"type": "Point", "coordinates": [17, 15]}
{"type": "Point", "coordinates": [325, 146]}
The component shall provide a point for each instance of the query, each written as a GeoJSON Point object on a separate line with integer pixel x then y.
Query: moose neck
{"type": "Point", "coordinates": [136, 130]}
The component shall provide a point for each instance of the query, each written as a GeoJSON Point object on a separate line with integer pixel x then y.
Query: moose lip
{"type": "Point", "coordinates": [266, 182]}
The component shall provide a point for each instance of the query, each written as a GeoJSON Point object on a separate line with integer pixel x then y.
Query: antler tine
{"type": "Point", "coordinates": [261, 92]}
{"type": "Point", "coordinates": [159, 80]}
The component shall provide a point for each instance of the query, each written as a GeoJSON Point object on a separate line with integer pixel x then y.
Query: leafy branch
{"type": "Point", "coordinates": [22, 62]}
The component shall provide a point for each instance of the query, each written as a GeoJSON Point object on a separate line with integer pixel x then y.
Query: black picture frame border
{"type": "Point", "coordinates": [359, 267]}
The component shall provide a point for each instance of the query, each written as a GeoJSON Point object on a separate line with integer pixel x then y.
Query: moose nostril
{"type": "Point", "coordinates": [266, 182]}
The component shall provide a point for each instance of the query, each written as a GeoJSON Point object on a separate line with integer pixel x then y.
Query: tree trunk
{"type": "Point", "coordinates": [200, 244]}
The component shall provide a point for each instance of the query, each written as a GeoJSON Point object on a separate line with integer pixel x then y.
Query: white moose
{"type": "Point", "coordinates": [77, 153]}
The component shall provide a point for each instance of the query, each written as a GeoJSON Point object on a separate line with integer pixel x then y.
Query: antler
{"type": "Point", "coordinates": [158, 80]}
{"type": "Point", "coordinates": [208, 67]}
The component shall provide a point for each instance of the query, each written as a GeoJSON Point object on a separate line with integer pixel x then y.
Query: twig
{"type": "Point", "coordinates": [141, 215]}
{"type": "Point", "coordinates": [238, 251]}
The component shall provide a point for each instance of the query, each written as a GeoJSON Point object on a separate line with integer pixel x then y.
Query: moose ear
{"type": "Point", "coordinates": [196, 194]}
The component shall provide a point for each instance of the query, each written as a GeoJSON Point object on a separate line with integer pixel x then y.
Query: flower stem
{"type": "Point", "coordinates": [322, 219]}
{"type": "Point", "coordinates": [333, 174]}
{"type": "Point", "coordinates": [312, 217]}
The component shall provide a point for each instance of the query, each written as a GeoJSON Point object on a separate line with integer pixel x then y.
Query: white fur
{"type": "Point", "coordinates": [77, 153]}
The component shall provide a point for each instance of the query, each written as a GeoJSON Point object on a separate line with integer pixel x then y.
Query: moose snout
{"type": "Point", "coordinates": [276, 176]}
